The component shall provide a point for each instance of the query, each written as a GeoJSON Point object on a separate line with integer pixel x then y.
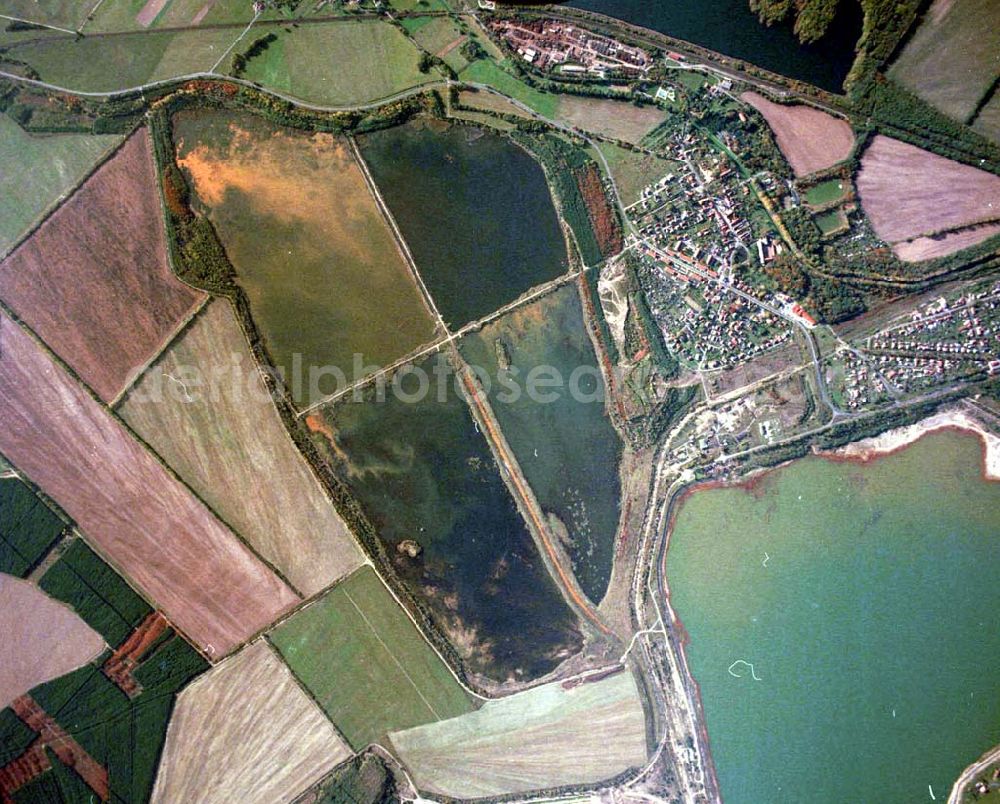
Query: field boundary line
{"type": "Point", "coordinates": [235, 42]}
{"type": "Point", "coordinates": [168, 342]}
{"type": "Point", "coordinates": [39, 24]}
{"type": "Point", "coordinates": [392, 655]}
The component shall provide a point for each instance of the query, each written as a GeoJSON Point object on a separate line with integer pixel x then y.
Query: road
{"type": "Point", "coordinates": [971, 773]}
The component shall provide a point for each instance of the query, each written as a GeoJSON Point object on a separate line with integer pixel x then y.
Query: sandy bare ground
{"type": "Point", "coordinates": [42, 639]}
{"type": "Point", "coordinates": [225, 438]}
{"type": "Point", "coordinates": [908, 192]}
{"type": "Point", "coordinates": [811, 140]}
{"type": "Point", "coordinates": [926, 248]}
{"type": "Point", "coordinates": [893, 440]}
{"type": "Point", "coordinates": [245, 731]}
{"type": "Point", "coordinates": [545, 737]}
{"type": "Point", "coordinates": [148, 524]}
{"type": "Point", "coordinates": [94, 281]}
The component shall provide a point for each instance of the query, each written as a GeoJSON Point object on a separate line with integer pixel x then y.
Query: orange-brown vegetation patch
{"type": "Point", "coordinates": [40, 638]}
{"type": "Point", "coordinates": [120, 664]}
{"type": "Point", "coordinates": [607, 229]}
{"type": "Point", "coordinates": [69, 751]}
{"type": "Point", "coordinates": [18, 772]}
{"type": "Point", "coordinates": [94, 281]}
{"type": "Point", "coordinates": [811, 140]}
{"type": "Point", "coordinates": [909, 194]}
{"type": "Point", "coordinates": [151, 527]}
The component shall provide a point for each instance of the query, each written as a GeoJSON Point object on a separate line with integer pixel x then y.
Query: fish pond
{"type": "Point", "coordinates": [562, 438]}
{"type": "Point", "coordinates": [427, 479]}
{"type": "Point", "coordinates": [731, 28]}
{"type": "Point", "coordinates": [475, 210]}
{"type": "Point", "coordinates": [329, 290]}
{"type": "Point", "coordinates": [844, 624]}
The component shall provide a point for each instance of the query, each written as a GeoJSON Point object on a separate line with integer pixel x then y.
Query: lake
{"type": "Point", "coordinates": [865, 599]}
{"type": "Point", "coordinates": [731, 28]}
{"type": "Point", "coordinates": [474, 209]}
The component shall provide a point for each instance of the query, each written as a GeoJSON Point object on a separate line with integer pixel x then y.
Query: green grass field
{"type": "Point", "coordinates": [366, 664]}
{"type": "Point", "coordinates": [483, 71]}
{"type": "Point", "coordinates": [438, 35]}
{"type": "Point", "coordinates": [121, 15]}
{"type": "Point", "coordinates": [632, 170]}
{"type": "Point", "coordinates": [28, 528]}
{"type": "Point", "coordinates": [339, 63]}
{"type": "Point", "coordinates": [826, 192]}
{"type": "Point", "coordinates": [61, 13]}
{"type": "Point", "coordinates": [831, 222]}
{"type": "Point", "coordinates": [39, 169]}
{"type": "Point", "coordinates": [93, 64]}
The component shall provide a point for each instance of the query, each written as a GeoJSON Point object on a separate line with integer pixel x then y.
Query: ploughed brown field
{"type": "Point", "coordinates": [811, 140]}
{"type": "Point", "coordinates": [94, 281]}
{"type": "Point", "coordinates": [909, 193]}
{"type": "Point", "coordinates": [149, 526]}
{"type": "Point", "coordinates": [926, 248]}
{"type": "Point", "coordinates": [42, 638]}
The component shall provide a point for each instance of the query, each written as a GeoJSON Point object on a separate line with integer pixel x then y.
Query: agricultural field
{"type": "Point", "coordinates": [245, 731]}
{"type": "Point", "coordinates": [545, 737]}
{"type": "Point", "coordinates": [617, 119]}
{"type": "Point", "coordinates": [987, 121]}
{"type": "Point", "coordinates": [440, 37]}
{"type": "Point", "coordinates": [503, 237]}
{"type": "Point", "coordinates": [909, 193]}
{"type": "Point", "coordinates": [488, 101]}
{"type": "Point", "coordinates": [810, 140]}
{"type": "Point", "coordinates": [927, 248]}
{"type": "Point", "coordinates": [68, 14]}
{"type": "Point", "coordinates": [107, 64]}
{"type": "Point", "coordinates": [123, 735]}
{"type": "Point", "coordinates": [565, 445]}
{"type": "Point", "coordinates": [632, 171]}
{"type": "Point", "coordinates": [38, 170]}
{"type": "Point", "coordinates": [954, 56]}
{"type": "Point", "coordinates": [485, 71]}
{"type": "Point", "coordinates": [226, 440]}
{"type": "Point", "coordinates": [339, 63]}
{"type": "Point", "coordinates": [426, 478]}
{"type": "Point", "coordinates": [28, 528]}
{"type": "Point", "coordinates": [100, 261]}
{"type": "Point", "coordinates": [85, 583]}
{"type": "Point", "coordinates": [128, 15]}
{"type": "Point", "coordinates": [365, 662]}
{"type": "Point", "coordinates": [168, 544]}
{"type": "Point", "coordinates": [311, 249]}
{"type": "Point", "coordinates": [42, 639]}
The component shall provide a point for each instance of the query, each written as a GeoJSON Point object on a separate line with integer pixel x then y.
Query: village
{"type": "Point", "coordinates": [570, 50]}
{"type": "Point", "coordinates": [944, 340]}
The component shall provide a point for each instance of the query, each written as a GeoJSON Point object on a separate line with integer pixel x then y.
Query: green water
{"type": "Point", "coordinates": [423, 472]}
{"type": "Point", "coordinates": [474, 209]}
{"type": "Point", "coordinates": [879, 597]}
{"type": "Point", "coordinates": [565, 445]}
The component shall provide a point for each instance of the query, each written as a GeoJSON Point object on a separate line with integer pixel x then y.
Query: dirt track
{"type": "Point", "coordinates": [811, 140]}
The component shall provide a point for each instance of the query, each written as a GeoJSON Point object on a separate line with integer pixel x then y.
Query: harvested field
{"type": "Point", "coordinates": [953, 57]}
{"type": "Point", "coordinates": [619, 120]}
{"type": "Point", "coordinates": [245, 731]}
{"type": "Point", "coordinates": [927, 248]}
{"type": "Point", "coordinates": [94, 281]}
{"type": "Point", "coordinates": [42, 639]}
{"type": "Point", "coordinates": [543, 738]}
{"type": "Point", "coordinates": [603, 219]}
{"type": "Point", "coordinates": [225, 438]}
{"type": "Point", "coordinates": [317, 260]}
{"type": "Point", "coordinates": [811, 140]}
{"type": "Point", "coordinates": [480, 99]}
{"type": "Point", "coordinates": [28, 528]}
{"type": "Point", "coordinates": [366, 663]}
{"type": "Point", "coordinates": [908, 193]}
{"type": "Point", "coordinates": [38, 170]}
{"type": "Point", "coordinates": [168, 543]}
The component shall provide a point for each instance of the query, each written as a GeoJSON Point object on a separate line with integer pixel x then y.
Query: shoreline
{"type": "Point", "coordinates": [893, 441]}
